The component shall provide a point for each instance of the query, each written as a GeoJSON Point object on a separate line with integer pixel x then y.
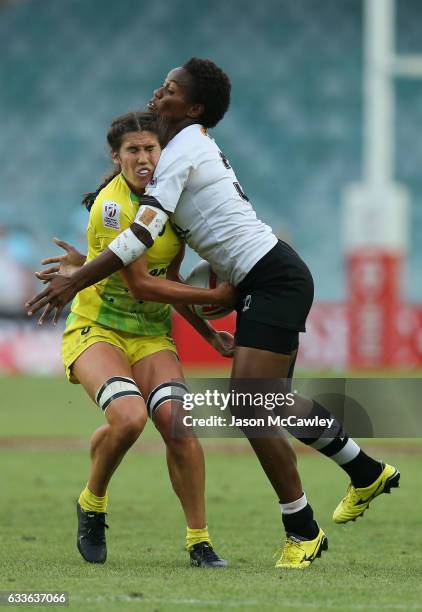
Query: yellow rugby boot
{"type": "Point", "coordinates": [357, 500]}
{"type": "Point", "coordinates": [298, 553]}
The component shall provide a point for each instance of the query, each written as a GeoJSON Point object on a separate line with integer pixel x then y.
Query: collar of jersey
{"type": "Point", "coordinates": [135, 199]}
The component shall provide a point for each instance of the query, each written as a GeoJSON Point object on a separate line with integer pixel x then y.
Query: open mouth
{"type": "Point", "coordinates": [143, 172]}
{"type": "Point", "coordinates": [151, 106]}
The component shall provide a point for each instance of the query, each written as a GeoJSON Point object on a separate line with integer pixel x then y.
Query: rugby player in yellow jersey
{"type": "Point", "coordinates": [196, 187]}
{"type": "Point", "coordinates": [120, 349]}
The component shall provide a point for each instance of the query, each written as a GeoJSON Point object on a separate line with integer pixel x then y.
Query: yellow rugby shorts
{"type": "Point", "coordinates": [83, 333]}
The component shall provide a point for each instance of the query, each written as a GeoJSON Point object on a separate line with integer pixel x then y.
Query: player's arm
{"type": "Point", "coordinates": [122, 251]}
{"type": "Point", "coordinates": [222, 341]}
{"type": "Point", "coordinates": [171, 174]}
{"type": "Point", "coordinates": [143, 286]}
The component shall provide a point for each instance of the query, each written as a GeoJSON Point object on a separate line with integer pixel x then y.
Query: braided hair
{"type": "Point", "coordinates": [131, 122]}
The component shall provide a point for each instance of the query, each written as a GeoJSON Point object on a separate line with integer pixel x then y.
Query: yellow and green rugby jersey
{"type": "Point", "coordinates": [109, 302]}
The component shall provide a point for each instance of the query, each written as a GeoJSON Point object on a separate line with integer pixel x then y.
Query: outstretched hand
{"type": "Point", "coordinates": [71, 261]}
{"type": "Point", "coordinates": [53, 299]}
{"type": "Point", "coordinates": [61, 288]}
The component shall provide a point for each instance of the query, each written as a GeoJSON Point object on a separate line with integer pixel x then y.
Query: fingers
{"type": "Point", "coordinates": [45, 314]}
{"type": "Point", "coordinates": [37, 305]}
{"type": "Point", "coordinates": [58, 258]}
{"type": "Point", "coordinates": [47, 274]}
{"type": "Point", "coordinates": [59, 310]}
{"type": "Point", "coordinates": [36, 299]}
{"type": "Point", "coordinates": [50, 260]}
{"type": "Point", "coordinates": [52, 270]}
{"type": "Point", "coordinates": [63, 245]}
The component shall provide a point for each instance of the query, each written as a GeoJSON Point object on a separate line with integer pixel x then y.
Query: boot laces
{"type": "Point", "coordinates": [97, 526]}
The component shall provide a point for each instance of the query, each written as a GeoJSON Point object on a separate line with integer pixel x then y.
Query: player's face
{"type": "Point", "coordinates": [138, 155]}
{"type": "Point", "coordinates": [172, 101]}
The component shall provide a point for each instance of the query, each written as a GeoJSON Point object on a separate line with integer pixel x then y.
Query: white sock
{"type": "Point", "coordinates": [294, 506]}
{"type": "Point", "coordinates": [347, 453]}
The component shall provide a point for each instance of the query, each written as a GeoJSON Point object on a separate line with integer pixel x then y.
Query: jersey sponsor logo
{"type": "Point", "coordinates": [158, 271]}
{"type": "Point", "coordinates": [111, 215]}
{"type": "Point", "coordinates": [85, 330]}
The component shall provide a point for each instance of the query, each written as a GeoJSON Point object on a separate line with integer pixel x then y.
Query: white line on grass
{"type": "Point", "coordinates": [236, 603]}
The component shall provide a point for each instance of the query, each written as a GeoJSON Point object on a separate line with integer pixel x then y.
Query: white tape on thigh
{"type": "Point", "coordinates": [115, 387]}
{"type": "Point", "coordinates": [165, 392]}
{"type": "Point", "coordinates": [127, 247]}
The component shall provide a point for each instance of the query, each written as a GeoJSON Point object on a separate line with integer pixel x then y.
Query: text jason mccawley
{"type": "Point", "coordinates": [269, 401]}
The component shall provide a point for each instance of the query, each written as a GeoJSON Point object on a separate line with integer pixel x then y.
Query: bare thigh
{"type": "Point", "coordinates": [258, 363]}
{"type": "Point", "coordinates": [162, 367]}
{"type": "Point", "coordinates": [156, 369]}
{"type": "Point", "coordinates": [100, 362]}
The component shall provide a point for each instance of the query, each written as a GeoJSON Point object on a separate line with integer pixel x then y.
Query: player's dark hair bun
{"type": "Point", "coordinates": [211, 87]}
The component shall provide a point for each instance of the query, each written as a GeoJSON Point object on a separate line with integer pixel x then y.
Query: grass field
{"type": "Point", "coordinates": [373, 564]}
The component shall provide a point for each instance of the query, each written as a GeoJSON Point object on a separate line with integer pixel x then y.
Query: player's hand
{"type": "Point", "coordinates": [53, 299]}
{"type": "Point", "coordinates": [224, 343]}
{"type": "Point", "coordinates": [224, 295]}
{"type": "Point", "coordinates": [71, 261]}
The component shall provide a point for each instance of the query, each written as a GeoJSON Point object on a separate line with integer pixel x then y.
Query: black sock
{"type": "Point", "coordinates": [301, 523]}
{"type": "Point", "coordinates": [337, 445]}
{"type": "Point", "coordinates": [363, 470]}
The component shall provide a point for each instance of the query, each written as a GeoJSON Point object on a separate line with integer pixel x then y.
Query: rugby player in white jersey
{"type": "Point", "coordinates": [195, 186]}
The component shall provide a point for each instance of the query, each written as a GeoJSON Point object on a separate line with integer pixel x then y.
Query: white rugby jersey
{"type": "Point", "coordinates": [195, 183]}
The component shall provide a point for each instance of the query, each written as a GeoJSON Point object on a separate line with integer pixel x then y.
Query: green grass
{"type": "Point", "coordinates": [373, 564]}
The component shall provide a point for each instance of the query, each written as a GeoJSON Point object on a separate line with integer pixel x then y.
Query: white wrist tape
{"type": "Point", "coordinates": [127, 247]}
{"type": "Point", "coordinates": [152, 219]}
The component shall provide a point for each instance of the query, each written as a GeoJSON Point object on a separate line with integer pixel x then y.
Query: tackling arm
{"type": "Point", "coordinates": [122, 251]}
{"type": "Point", "coordinates": [143, 286]}
{"type": "Point", "coordinates": [223, 342]}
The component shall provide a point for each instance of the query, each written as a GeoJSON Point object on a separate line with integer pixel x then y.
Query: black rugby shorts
{"type": "Point", "coordinates": [275, 298]}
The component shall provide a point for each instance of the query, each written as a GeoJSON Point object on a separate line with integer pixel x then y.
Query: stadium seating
{"type": "Point", "coordinates": [293, 133]}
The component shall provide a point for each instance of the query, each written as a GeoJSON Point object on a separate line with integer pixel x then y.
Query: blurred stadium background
{"type": "Point", "coordinates": [317, 147]}
{"type": "Point", "coordinates": [294, 134]}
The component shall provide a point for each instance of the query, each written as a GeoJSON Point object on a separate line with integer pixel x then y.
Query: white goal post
{"type": "Point", "coordinates": [375, 219]}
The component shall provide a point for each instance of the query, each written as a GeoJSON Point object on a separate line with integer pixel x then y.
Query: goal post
{"type": "Point", "coordinates": [376, 211]}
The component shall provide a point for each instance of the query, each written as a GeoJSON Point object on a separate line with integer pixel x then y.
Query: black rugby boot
{"type": "Point", "coordinates": [91, 539]}
{"type": "Point", "coordinates": [203, 555]}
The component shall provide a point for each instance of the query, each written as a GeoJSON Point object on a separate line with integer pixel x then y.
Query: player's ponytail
{"type": "Point", "coordinates": [131, 122]}
{"type": "Point", "coordinates": [89, 198]}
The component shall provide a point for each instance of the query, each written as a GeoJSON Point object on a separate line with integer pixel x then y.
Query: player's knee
{"type": "Point", "coordinates": [122, 393]}
{"type": "Point", "coordinates": [184, 447]}
{"type": "Point", "coordinates": [165, 402]}
{"type": "Point", "coordinates": [128, 427]}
